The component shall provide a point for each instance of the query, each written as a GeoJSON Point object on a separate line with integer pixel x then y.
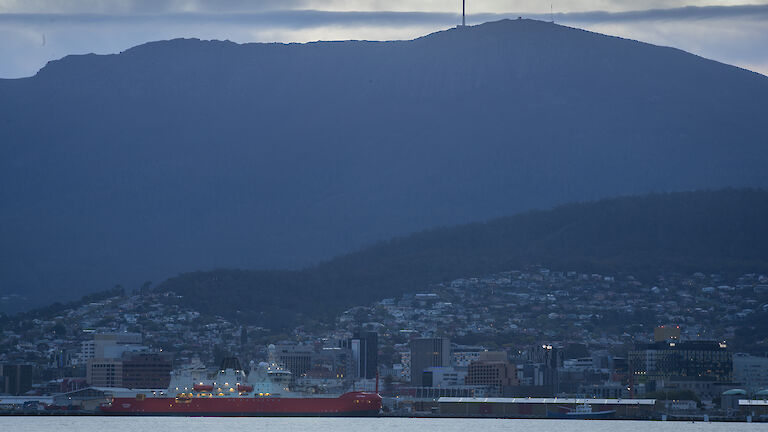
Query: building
{"type": "Point", "coordinates": [750, 371]}
{"type": "Point", "coordinates": [463, 355]}
{"type": "Point", "coordinates": [729, 400]}
{"type": "Point", "coordinates": [295, 358]}
{"type": "Point", "coordinates": [85, 399]}
{"type": "Point", "coordinates": [147, 370]}
{"type": "Point", "coordinates": [104, 357]}
{"type": "Point", "coordinates": [606, 390]}
{"type": "Point", "coordinates": [365, 353]}
{"type": "Point", "coordinates": [493, 371]}
{"type": "Point", "coordinates": [15, 379]}
{"type": "Point", "coordinates": [428, 352]}
{"type": "Point", "coordinates": [548, 355]}
{"type": "Point", "coordinates": [538, 375]}
{"type": "Point", "coordinates": [87, 351]}
{"type": "Point", "coordinates": [336, 360]}
{"type": "Point", "coordinates": [113, 345]}
{"type": "Point", "coordinates": [443, 377]}
{"type": "Point", "coordinates": [753, 407]}
{"type": "Point", "coordinates": [529, 407]}
{"type": "Point", "coordinates": [405, 360]}
{"type": "Point", "coordinates": [666, 333]}
{"type": "Point", "coordinates": [658, 364]}
{"type": "Point", "coordinates": [105, 372]}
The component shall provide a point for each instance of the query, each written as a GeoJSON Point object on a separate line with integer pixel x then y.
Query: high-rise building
{"type": "Point", "coordinates": [16, 379]}
{"type": "Point", "coordinates": [367, 358]}
{"type": "Point", "coordinates": [364, 348]}
{"type": "Point", "coordinates": [428, 352]}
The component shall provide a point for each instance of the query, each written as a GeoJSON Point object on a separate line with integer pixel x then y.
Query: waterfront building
{"type": "Point", "coordinates": [729, 400]}
{"type": "Point", "coordinates": [660, 363]}
{"type": "Point", "coordinates": [542, 407]}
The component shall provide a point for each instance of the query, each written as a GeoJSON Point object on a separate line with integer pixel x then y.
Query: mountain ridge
{"type": "Point", "coordinates": [180, 155]}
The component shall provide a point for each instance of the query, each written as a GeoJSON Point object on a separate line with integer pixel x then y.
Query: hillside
{"type": "Point", "coordinates": [187, 154]}
{"type": "Point", "coordinates": [714, 231]}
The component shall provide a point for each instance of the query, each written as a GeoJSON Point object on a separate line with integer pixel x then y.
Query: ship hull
{"type": "Point", "coordinates": [243, 414]}
{"type": "Point", "coordinates": [355, 404]}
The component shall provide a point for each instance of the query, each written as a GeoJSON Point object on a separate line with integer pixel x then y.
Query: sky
{"type": "Point", "coordinates": [33, 32]}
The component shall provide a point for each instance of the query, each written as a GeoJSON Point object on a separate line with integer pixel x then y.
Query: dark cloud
{"type": "Point", "coordinates": [676, 14]}
{"type": "Point", "coordinates": [147, 6]}
{"type": "Point", "coordinates": [285, 18]}
{"type": "Point", "coordinates": [314, 18]}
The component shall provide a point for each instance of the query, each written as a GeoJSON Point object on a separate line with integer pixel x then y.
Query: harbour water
{"type": "Point", "coordinates": [271, 424]}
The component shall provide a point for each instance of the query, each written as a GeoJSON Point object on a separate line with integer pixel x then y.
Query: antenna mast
{"type": "Point", "coordinates": [463, 14]}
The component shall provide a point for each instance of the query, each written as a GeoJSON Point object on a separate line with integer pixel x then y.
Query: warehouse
{"type": "Point", "coordinates": [546, 407]}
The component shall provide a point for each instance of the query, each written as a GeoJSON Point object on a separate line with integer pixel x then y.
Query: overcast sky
{"type": "Point", "coordinates": [33, 32]}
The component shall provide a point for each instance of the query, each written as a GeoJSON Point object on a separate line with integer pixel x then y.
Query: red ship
{"type": "Point", "coordinates": [232, 393]}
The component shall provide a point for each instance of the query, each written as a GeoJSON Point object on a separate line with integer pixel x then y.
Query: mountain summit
{"type": "Point", "coordinates": [187, 154]}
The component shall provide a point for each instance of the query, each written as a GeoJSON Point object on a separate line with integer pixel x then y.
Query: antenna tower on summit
{"type": "Point", "coordinates": [463, 14]}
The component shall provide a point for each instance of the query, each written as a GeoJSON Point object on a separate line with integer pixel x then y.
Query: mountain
{"type": "Point", "coordinates": [647, 236]}
{"type": "Point", "coordinates": [187, 154]}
